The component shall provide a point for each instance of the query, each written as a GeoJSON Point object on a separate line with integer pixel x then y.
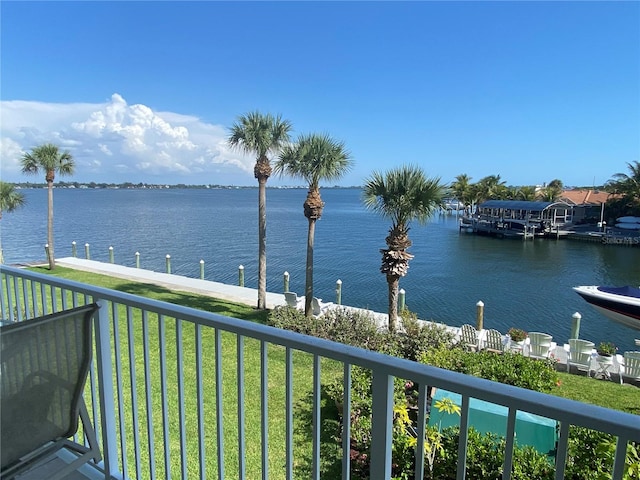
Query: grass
{"type": "Point", "coordinates": [146, 339]}
{"type": "Point", "coordinates": [577, 387]}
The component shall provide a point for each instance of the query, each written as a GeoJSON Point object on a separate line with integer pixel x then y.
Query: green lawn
{"type": "Point", "coordinates": [303, 364]}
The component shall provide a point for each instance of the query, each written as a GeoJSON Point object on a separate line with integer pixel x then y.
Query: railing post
{"type": "Point", "coordinates": [201, 269]}
{"type": "Point", "coordinates": [241, 275]}
{"type": "Point", "coordinates": [168, 261]}
{"type": "Point", "coordinates": [285, 280]}
{"type": "Point", "coordinates": [575, 325]}
{"type": "Point", "coordinates": [111, 255]}
{"type": "Point", "coordinates": [382, 424]}
{"type": "Point", "coordinates": [74, 251]}
{"type": "Point", "coordinates": [339, 292]}
{"type": "Point", "coordinates": [401, 299]}
{"type": "Point", "coordinates": [479, 315]}
{"type": "Point", "coordinates": [108, 420]}
{"type": "Point", "coordinates": [86, 251]}
{"type": "Point", "coordinates": [137, 259]}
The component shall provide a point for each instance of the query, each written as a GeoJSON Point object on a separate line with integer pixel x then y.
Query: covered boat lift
{"type": "Point", "coordinates": [511, 218]}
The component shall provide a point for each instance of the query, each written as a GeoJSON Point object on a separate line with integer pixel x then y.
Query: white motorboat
{"type": "Point", "coordinates": [620, 304]}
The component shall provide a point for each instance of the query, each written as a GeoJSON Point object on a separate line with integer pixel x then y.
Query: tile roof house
{"type": "Point", "coordinates": [585, 197]}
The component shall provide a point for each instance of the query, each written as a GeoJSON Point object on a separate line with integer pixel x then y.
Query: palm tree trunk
{"type": "Point", "coordinates": [51, 259]}
{"type": "Point", "coordinates": [262, 243]}
{"type": "Point", "coordinates": [393, 281]}
{"type": "Point", "coordinates": [308, 288]}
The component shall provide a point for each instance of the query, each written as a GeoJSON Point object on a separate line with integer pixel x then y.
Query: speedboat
{"type": "Point", "coordinates": [620, 304]}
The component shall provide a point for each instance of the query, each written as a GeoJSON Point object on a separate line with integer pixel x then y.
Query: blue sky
{"type": "Point", "coordinates": [146, 91]}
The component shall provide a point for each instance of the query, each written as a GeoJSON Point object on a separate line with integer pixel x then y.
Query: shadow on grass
{"type": "Point", "coordinates": [200, 302]}
{"type": "Point", "coordinates": [330, 440]}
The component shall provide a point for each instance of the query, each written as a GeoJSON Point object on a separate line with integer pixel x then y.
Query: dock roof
{"type": "Point", "coordinates": [521, 205]}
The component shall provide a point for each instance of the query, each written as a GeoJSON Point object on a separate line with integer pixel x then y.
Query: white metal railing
{"type": "Point", "coordinates": [142, 417]}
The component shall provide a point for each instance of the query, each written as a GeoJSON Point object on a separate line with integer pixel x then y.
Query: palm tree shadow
{"type": "Point", "coordinates": [200, 302]}
{"type": "Point", "coordinates": [330, 439]}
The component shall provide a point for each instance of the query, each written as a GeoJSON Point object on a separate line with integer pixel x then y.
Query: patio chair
{"type": "Point", "coordinates": [539, 345]}
{"type": "Point", "coordinates": [630, 368]}
{"type": "Point", "coordinates": [291, 299]}
{"type": "Point", "coordinates": [580, 354]}
{"type": "Point", "coordinates": [44, 365]}
{"type": "Point", "coordinates": [493, 341]}
{"type": "Point", "coordinates": [317, 307]}
{"type": "Point", "coordinates": [469, 337]}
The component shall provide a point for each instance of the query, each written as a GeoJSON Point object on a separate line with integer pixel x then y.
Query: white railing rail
{"type": "Point", "coordinates": [131, 327]}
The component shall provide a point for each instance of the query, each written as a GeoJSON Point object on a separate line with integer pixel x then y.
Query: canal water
{"type": "Point", "coordinates": [525, 284]}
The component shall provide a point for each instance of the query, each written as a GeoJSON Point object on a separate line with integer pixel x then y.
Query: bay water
{"type": "Point", "coordinates": [522, 283]}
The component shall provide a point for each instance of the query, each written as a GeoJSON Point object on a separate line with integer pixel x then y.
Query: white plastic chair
{"type": "Point", "coordinates": [580, 354]}
{"type": "Point", "coordinates": [630, 367]}
{"type": "Point", "coordinates": [539, 345]}
{"type": "Point", "coordinates": [291, 299]}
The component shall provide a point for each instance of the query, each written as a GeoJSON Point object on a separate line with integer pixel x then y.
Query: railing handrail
{"type": "Point", "coordinates": [615, 422]}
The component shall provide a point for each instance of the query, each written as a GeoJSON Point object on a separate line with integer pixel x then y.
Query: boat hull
{"type": "Point", "coordinates": [620, 304]}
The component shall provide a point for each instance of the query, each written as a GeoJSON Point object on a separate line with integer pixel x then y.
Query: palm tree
{"type": "Point", "coordinates": [491, 188]}
{"type": "Point", "coordinates": [627, 188]}
{"type": "Point", "coordinates": [463, 191]}
{"type": "Point", "coordinates": [10, 199]}
{"type": "Point", "coordinates": [552, 192]}
{"type": "Point", "coordinates": [627, 184]}
{"type": "Point", "coordinates": [48, 157]}
{"type": "Point", "coordinates": [260, 134]}
{"type": "Point", "coordinates": [402, 194]}
{"type": "Point", "coordinates": [527, 193]}
{"type": "Point", "coordinates": [313, 158]}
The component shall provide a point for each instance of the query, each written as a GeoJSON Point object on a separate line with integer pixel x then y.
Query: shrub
{"type": "Point", "coordinates": [418, 337]}
{"type": "Point", "coordinates": [508, 368]}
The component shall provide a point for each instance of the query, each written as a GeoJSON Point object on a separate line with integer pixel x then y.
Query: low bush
{"type": "Point", "coordinates": [509, 368]}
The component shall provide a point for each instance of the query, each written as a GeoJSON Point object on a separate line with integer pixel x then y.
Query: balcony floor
{"type": "Point", "coordinates": [56, 462]}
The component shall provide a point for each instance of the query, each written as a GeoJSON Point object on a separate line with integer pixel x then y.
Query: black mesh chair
{"type": "Point", "coordinates": [44, 366]}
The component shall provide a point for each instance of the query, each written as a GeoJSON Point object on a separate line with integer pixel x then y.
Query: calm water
{"type": "Point", "coordinates": [527, 284]}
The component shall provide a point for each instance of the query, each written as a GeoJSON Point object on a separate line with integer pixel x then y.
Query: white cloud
{"type": "Point", "coordinates": [114, 141]}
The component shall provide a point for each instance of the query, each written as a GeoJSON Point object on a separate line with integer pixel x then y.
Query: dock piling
{"type": "Point", "coordinates": [479, 315]}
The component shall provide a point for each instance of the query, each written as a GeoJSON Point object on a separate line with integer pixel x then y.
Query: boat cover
{"type": "Point", "coordinates": [627, 291]}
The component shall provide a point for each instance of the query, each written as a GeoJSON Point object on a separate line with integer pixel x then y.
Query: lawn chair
{"type": "Point", "coordinates": [291, 299]}
{"type": "Point", "coordinates": [630, 367]}
{"type": "Point", "coordinates": [469, 337]}
{"type": "Point", "coordinates": [317, 307]}
{"type": "Point", "coordinates": [493, 341]}
{"type": "Point", "coordinates": [44, 365]}
{"type": "Point", "coordinates": [580, 354]}
{"type": "Point", "coordinates": [539, 345]}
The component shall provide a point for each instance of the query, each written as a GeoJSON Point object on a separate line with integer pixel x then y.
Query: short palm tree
{"type": "Point", "coordinates": [10, 199]}
{"type": "Point", "coordinates": [260, 134]}
{"type": "Point", "coordinates": [402, 194]}
{"type": "Point", "coordinates": [49, 158]}
{"type": "Point", "coordinates": [313, 158]}
{"type": "Point", "coordinates": [463, 190]}
{"type": "Point", "coordinates": [626, 188]}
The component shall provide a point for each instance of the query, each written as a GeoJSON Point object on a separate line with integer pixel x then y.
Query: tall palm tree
{"type": "Point", "coordinates": [48, 157]}
{"type": "Point", "coordinates": [401, 195]}
{"type": "Point", "coordinates": [10, 199]}
{"type": "Point", "coordinates": [260, 134]}
{"type": "Point", "coordinates": [552, 192]}
{"type": "Point", "coordinates": [313, 158]}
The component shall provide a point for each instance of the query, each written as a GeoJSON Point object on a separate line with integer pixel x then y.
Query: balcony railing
{"type": "Point", "coordinates": [167, 401]}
